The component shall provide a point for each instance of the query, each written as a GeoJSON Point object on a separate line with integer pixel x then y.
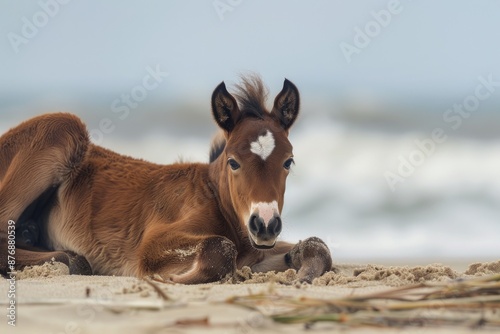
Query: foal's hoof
{"type": "Point", "coordinates": [78, 265]}
{"type": "Point", "coordinates": [312, 258]}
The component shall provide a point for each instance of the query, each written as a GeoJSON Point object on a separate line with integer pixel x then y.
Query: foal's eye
{"type": "Point", "coordinates": [288, 164]}
{"type": "Point", "coordinates": [234, 165]}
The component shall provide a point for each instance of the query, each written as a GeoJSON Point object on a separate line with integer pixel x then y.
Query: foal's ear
{"type": "Point", "coordinates": [224, 108]}
{"type": "Point", "coordinates": [286, 105]}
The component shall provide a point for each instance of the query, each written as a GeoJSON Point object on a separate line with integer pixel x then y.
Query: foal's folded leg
{"type": "Point", "coordinates": [215, 259]}
{"type": "Point", "coordinates": [311, 258]}
{"type": "Point", "coordinates": [77, 264]}
{"type": "Point", "coordinates": [188, 259]}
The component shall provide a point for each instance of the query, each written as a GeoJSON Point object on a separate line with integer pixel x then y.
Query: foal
{"type": "Point", "coordinates": [101, 212]}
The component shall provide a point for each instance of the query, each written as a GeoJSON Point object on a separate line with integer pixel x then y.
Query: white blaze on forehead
{"type": "Point", "coordinates": [266, 211]}
{"type": "Point", "coordinates": [263, 146]}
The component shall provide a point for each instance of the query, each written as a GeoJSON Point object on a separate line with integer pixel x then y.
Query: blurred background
{"type": "Point", "coordinates": [398, 145]}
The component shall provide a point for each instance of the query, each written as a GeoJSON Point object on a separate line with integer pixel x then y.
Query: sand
{"type": "Point", "coordinates": [49, 300]}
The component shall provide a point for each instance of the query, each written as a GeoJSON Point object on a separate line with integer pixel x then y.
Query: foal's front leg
{"type": "Point", "coordinates": [310, 257]}
{"type": "Point", "coordinates": [188, 259]}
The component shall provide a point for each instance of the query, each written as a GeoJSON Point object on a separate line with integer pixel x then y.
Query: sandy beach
{"type": "Point", "coordinates": [48, 300]}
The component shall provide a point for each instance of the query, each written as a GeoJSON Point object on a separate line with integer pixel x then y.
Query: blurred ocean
{"type": "Point", "coordinates": [448, 208]}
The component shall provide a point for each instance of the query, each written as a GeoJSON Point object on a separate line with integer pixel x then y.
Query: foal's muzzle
{"type": "Point", "coordinates": [263, 235]}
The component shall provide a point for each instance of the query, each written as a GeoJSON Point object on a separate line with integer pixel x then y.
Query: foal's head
{"type": "Point", "coordinates": [256, 154]}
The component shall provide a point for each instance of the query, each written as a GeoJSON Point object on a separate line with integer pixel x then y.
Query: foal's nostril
{"type": "Point", "coordinates": [253, 224]}
{"type": "Point", "coordinates": [274, 227]}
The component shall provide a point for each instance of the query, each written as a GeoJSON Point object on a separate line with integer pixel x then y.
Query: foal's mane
{"type": "Point", "coordinates": [251, 95]}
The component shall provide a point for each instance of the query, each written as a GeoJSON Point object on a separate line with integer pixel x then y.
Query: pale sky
{"type": "Point", "coordinates": [429, 48]}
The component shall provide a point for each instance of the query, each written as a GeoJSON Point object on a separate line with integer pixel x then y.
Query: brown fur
{"type": "Point", "coordinates": [185, 222]}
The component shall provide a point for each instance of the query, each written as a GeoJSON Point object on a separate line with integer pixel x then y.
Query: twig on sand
{"type": "Point", "coordinates": [158, 290]}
